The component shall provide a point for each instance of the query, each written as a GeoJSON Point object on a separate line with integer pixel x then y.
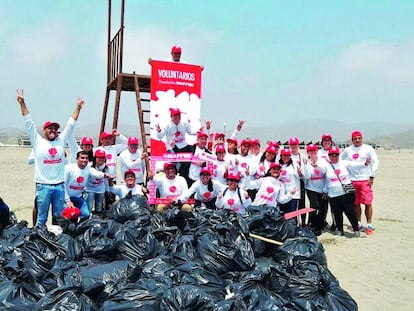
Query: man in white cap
{"type": "Point", "coordinates": [49, 154]}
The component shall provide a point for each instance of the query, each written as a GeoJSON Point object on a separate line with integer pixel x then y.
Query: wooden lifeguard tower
{"type": "Point", "coordinates": [119, 81]}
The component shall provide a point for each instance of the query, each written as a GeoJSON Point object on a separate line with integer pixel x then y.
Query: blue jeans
{"type": "Point", "coordinates": [96, 198]}
{"type": "Point", "coordinates": [47, 195]}
{"type": "Point", "coordinates": [82, 205]}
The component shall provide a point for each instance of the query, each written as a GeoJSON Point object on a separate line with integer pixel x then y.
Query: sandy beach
{"type": "Point", "coordinates": [376, 270]}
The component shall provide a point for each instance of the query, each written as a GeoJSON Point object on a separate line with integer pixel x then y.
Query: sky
{"type": "Point", "coordinates": [266, 62]}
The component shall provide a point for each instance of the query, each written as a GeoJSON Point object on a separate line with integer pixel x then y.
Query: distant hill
{"type": "Point", "coordinates": [389, 136]}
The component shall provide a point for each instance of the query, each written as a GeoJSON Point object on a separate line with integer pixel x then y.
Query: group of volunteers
{"type": "Point", "coordinates": [243, 173]}
{"type": "Point", "coordinates": [238, 174]}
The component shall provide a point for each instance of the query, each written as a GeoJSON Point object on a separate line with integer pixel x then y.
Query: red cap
{"type": "Point", "coordinates": [174, 111]}
{"type": "Point", "coordinates": [311, 147]}
{"type": "Point", "coordinates": [232, 140]}
{"type": "Point", "coordinates": [205, 170]}
{"type": "Point", "coordinates": [105, 135]}
{"type": "Point", "coordinates": [201, 134]}
{"type": "Point", "coordinates": [273, 143]}
{"type": "Point", "coordinates": [356, 134]}
{"type": "Point", "coordinates": [86, 141]}
{"type": "Point", "coordinates": [100, 153]}
{"type": "Point", "coordinates": [218, 135]}
{"type": "Point", "coordinates": [133, 140]}
{"type": "Point", "coordinates": [285, 152]}
{"type": "Point", "coordinates": [275, 164]}
{"type": "Point", "coordinates": [50, 123]}
{"type": "Point", "coordinates": [254, 142]}
{"type": "Point", "coordinates": [220, 148]}
{"type": "Point", "coordinates": [245, 142]}
{"type": "Point", "coordinates": [168, 164]}
{"type": "Point", "coordinates": [294, 141]}
{"type": "Point", "coordinates": [233, 176]}
{"type": "Point", "coordinates": [334, 150]}
{"type": "Point", "coordinates": [326, 136]}
{"type": "Point", "coordinates": [176, 49]}
{"type": "Point", "coordinates": [71, 213]}
{"type": "Point", "coordinates": [271, 149]}
{"type": "Point", "coordinates": [129, 172]}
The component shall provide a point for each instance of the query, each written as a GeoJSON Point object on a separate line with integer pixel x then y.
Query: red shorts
{"type": "Point", "coordinates": [363, 192]}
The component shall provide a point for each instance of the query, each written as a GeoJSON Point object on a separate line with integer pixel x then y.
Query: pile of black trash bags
{"type": "Point", "coordinates": [132, 259]}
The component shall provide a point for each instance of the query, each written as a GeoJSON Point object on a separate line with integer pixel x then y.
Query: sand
{"type": "Point", "coordinates": [377, 270]}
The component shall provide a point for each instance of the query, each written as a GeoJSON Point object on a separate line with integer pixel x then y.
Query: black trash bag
{"type": "Point", "coordinates": [15, 235]}
{"type": "Point", "coordinates": [154, 268]}
{"type": "Point", "coordinates": [268, 222]}
{"type": "Point", "coordinates": [300, 248]}
{"type": "Point", "coordinates": [66, 298]}
{"type": "Point", "coordinates": [225, 249]}
{"type": "Point", "coordinates": [183, 249]}
{"type": "Point", "coordinates": [68, 226]}
{"type": "Point", "coordinates": [70, 248]}
{"type": "Point", "coordinates": [305, 232]}
{"type": "Point", "coordinates": [108, 227]}
{"type": "Point", "coordinates": [186, 298]}
{"type": "Point", "coordinates": [37, 259]}
{"type": "Point", "coordinates": [234, 303]}
{"type": "Point", "coordinates": [185, 221]}
{"type": "Point", "coordinates": [310, 286]}
{"type": "Point", "coordinates": [97, 242]}
{"type": "Point", "coordinates": [254, 291]}
{"type": "Point", "coordinates": [130, 208]}
{"type": "Point", "coordinates": [59, 275]}
{"type": "Point", "coordinates": [15, 297]}
{"type": "Point", "coordinates": [193, 273]}
{"type": "Point", "coordinates": [136, 245]}
{"type": "Point", "coordinates": [9, 259]}
{"type": "Point", "coordinates": [132, 297]}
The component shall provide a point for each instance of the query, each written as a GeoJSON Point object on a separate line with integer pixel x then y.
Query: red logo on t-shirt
{"type": "Point", "coordinates": [173, 188]}
{"type": "Point", "coordinates": [53, 152]}
{"type": "Point", "coordinates": [269, 189]}
{"type": "Point", "coordinates": [316, 171]}
{"type": "Point", "coordinates": [230, 202]}
{"type": "Point", "coordinates": [207, 195]}
{"type": "Point", "coordinates": [108, 156]}
{"type": "Point", "coordinates": [80, 179]}
{"type": "Point", "coordinates": [337, 171]}
{"type": "Point", "coordinates": [355, 156]}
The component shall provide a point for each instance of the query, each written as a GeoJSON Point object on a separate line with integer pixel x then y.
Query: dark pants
{"type": "Point", "coordinates": [317, 218]}
{"type": "Point", "coordinates": [302, 203]}
{"type": "Point", "coordinates": [184, 167]}
{"type": "Point", "coordinates": [344, 204]}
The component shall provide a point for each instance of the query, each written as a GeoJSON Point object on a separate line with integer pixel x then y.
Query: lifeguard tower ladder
{"type": "Point", "coordinates": [119, 81]}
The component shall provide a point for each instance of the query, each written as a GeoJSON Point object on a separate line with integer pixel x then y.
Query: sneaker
{"type": "Point", "coordinates": [357, 234]}
{"type": "Point", "coordinates": [370, 226]}
{"type": "Point", "coordinates": [339, 233]}
{"type": "Point", "coordinates": [369, 231]}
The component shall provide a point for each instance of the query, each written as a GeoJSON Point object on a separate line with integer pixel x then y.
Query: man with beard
{"type": "Point", "coordinates": [49, 154]}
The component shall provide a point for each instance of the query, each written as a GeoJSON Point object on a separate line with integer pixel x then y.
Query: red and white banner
{"type": "Point", "coordinates": [173, 86]}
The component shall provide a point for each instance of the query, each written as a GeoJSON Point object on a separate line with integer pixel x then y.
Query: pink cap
{"type": "Point", "coordinates": [334, 150]}
{"type": "Point", "coordinates": [201, 134]}
{"type": "Point", "coordinates": [218, 135]}
{"type": "Point", "coordinates": [99, 153]}
{"type": "Point", "coordinates": [234, 176]}
{"type": "Point", "coordinates": [176, 49]}
{"type": "Point", "coordinates": [50, 123]}
{"type": "Point", "coordinates": [245, 142]}
{"type": "Point", "coordinates": [174, 111]}
{"type": "Point", "coordinates": [86, 141]}
{"type": "Point", "coordinates": [326, 136]}
{"type": "Point", "coordinates": [168, 165]}
{"type": "Point", "coordinates": [285, 152]}
{"type": "Point", "coordinates": [133, 140]}
{"type": "Point", "coordinates": [275, 164]}
{"type": "Point", "coordinates": [205, 170]}
{"type": "Point", "coordinates": [271, 149]}
{"type": "Point", "coordinates": [311, 147]}
{"type": "Point", "coordinates": [254, 142]}
{"type": "Point", "coordinates": [105, 135]}
{"type": "Point", "coordinates": [220, 148]}
{"type": "Point", "coordinates": [356, 134]}
{"type": "Point", "coordinates": [232, 140]}
{"type": "Point", "coordinates": [273, 143]}
{"type": "Point", "coordinates": [129, 172]}
{"type": "Point", "coordinates": [294, 141]}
